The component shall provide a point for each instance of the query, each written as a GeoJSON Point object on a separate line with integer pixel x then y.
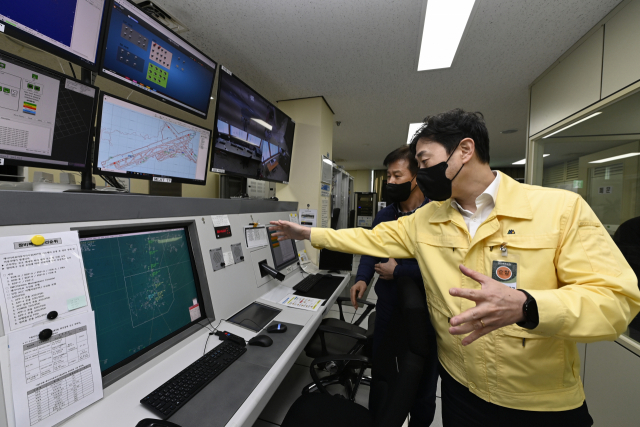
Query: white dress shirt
{"type": "Point", "coordinates": [484, 205]}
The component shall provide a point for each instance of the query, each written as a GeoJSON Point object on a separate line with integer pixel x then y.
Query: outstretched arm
{"type": "Point", "coordinates": [387, 240]}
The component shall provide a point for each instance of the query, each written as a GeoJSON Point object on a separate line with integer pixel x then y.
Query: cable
{"type": "Point", "coordinates": [129, 94]}
{"type": "Point", "coordinates": [73, 71]}
{"type": "Point", "coordinates": [215, 329]}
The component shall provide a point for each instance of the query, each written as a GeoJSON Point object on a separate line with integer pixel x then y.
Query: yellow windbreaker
{"type": "Point", "coordinates": [584, 288]}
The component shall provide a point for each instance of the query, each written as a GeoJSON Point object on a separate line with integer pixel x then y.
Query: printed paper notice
{"type": "Point", "coordinates": [53, 379]}
{"type": "Point", "coordinates": [294, 218]}
{"type": "Point", "coordinates": [308, 217]}
{"type": "Point", "coordinates": [39, 279]}
{"type": "Point", "coordinates": [256, 237]}
{"type": "Point", "coordinates": [304, 303]}
{"type": "Point", "coordinates": [220, 220]}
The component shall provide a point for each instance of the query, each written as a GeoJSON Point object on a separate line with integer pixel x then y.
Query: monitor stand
{"type": "Point", "coordinates": [86, 187]}
{"type": "Point", "coordinates": [334, 271]}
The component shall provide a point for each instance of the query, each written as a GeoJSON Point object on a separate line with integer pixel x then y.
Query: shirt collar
{"type": "Point", "coordinates": [491, 191]}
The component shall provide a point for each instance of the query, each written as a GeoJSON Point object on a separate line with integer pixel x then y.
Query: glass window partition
{"type": "Point", "coordinates": [599, 158]}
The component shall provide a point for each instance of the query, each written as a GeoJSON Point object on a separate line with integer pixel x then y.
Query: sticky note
{"type": "Point", "coordinates": [77, 302]}
{"type": "Point", "coordinates": [37, 240]}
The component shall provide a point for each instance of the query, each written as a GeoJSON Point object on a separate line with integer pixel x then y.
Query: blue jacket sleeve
{"type": "Point", "coordinates": [406, 269]}
{"type": "Point", "coordinates": [366, 268]}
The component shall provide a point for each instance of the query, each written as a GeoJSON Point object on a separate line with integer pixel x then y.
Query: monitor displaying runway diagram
{"type": "Point", "coordinates": [142, 288]}
{"type": "Point", "coordinates": [143, 54]}
{"type": "Point", "coordinates": [134, 141]}
{"type": "Point", "coordinates": [45, 117]}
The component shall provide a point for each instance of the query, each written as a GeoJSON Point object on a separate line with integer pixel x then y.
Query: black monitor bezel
{"type": "Point", "coordinates": [18, 34]}
{"type": "Point", "coordinates": [96, 149]}
{"type": "Point", "coordinates": [214, 134]}
{"type": "Point", "coordinates": [165, 99]}
{"type": "Point", "coordinates": [44, 165]}
{"type": "Point", "coordinates": [285, 264]}
{"type": "Point", "coordinates": [153, 227]}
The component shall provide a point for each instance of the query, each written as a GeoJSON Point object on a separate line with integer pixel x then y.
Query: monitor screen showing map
{"type": "Point", "coordinates": [45, 116]}
{"type": "Point", "coordinates": [145, 55]}
{"type": "Point", "coordinates": [143, 288]}
{"type": "Point", "coordinates": [136, 142]}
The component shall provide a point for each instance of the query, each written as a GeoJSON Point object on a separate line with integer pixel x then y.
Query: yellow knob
{"type": "Point", "coordinates": [37, 240]}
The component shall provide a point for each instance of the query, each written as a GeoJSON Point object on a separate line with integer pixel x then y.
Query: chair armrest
{"type": "Point", "coordinates": [342, 331]}
{"type": "Point", "coordinates": [364, 361]}
{"type": "Point", "coordinates": [363, 315]}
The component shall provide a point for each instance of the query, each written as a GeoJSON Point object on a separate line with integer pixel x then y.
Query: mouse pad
{"type": "Point", "coordinates": [222, 397]}
{"type": "Point", "coordinates": [323, 289]}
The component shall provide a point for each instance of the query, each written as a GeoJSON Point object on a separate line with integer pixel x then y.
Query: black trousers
{"type": "Point", "coordinates": [461, 408]}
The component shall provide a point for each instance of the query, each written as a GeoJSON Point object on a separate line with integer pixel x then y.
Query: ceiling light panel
{"type": "Point", "coordinates": [444, 25]}
{"type": "Point", "coordinates": [573, 124]}
{"type": "Point", "coordinates": [263, 123]}
{"type": "Point", "coordinates": [622, 156]}
{"type": "Point", "coordinates": [524, 161]}
{"type": "Point", "coordinates": [413, 128]}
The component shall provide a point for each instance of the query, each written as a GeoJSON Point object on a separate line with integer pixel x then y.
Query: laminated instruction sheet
{"type": "Point", "coordinates": [38, 280]}
{"type": "Point", "coordinates": [53, 378]}
{"type": "Point", "coordinates": [303, 303]}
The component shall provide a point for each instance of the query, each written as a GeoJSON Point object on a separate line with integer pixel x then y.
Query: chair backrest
{"type": "Point", "coordinates": [400, 360]}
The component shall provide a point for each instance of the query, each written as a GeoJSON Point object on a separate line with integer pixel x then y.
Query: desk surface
{"type": "Point", "coordinates": [120, 405]}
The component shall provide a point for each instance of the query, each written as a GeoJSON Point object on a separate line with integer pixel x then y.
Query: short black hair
{"type": "Point", "coordinates": [451, 127]}
{"type": "Point", "coordinates": [402, 153]}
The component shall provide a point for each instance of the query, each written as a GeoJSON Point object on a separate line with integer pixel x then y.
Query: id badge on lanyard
{"type": "Point", "coordinates": [504, 266]}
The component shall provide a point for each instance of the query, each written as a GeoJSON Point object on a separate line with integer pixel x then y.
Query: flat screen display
{"type": "Point", "coordinates": [46, 117]}
{"type": "Point", "coordinates": [143, 288]}
{"type": "Point", "coordinates": [136, 142]}
{"type": "Point", "coordinates": [284, 252]}
{"type": "Point", "coordinates": [70, 29]}
{"type": "Point", "coordinates": [335, 261]}
{"type": "Point", "coordinates": [145, 55]}
{"type": "Point", "coordinates": [252, 138]}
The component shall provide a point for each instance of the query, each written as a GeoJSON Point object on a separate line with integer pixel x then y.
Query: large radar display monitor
{"type": "Point", "coordinates": [136, 142]}
{"type": "Point", "coordinates": [143, 290]}
{"type": "Point", "coordinates": [148, 57]}
{"type": "Point", "coordinates": [45, 117]}
{"type": "Point", "coordinates": [70, 29]}
{"type": "Point", "coordinates": [252, 138]}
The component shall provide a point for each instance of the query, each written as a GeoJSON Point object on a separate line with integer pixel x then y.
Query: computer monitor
{"type": "Point", "coordinates": [133, 141]}
{"type": "Point", "coordinates": [284, 252]}
{"type": "Point", "coordinates": [46, 117]}
{"type": "Point", "coordinates": [335, 261]}
{"type": "Point", "coordinates": [69, 29]}
{"type": "Point", "coordinates": [252, 137]}
{"type": "Point", "coordinates": [145, 55]}
{"type": "Point", "coordinates": [144, 289]}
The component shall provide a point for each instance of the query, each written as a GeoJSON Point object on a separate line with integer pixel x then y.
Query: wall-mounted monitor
{"type": "Point", "coordinates": [69, 29]}
{"type": "Point", "coordinates": [252, 137]}
{"type": "Point", "coordinates": [144, 55]}
{"type": "Point", "coordinates": [133, 141]}
{"type": "Point", "coordinates": [46, 117]}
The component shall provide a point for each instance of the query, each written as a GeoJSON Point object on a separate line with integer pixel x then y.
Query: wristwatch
{"type": "Point", "coordinates": [530, 311]}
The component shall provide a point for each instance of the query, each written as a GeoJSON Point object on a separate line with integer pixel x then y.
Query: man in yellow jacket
{"type": "Point", "coordinates": [515, 275]}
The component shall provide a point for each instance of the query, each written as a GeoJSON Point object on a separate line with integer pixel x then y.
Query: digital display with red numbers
{"type": "Point", "coordinates": [224, 231]}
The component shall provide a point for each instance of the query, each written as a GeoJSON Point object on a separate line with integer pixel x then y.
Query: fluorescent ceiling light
{"type": "Point", "coordinates": [622, 156]}
{"type": "Point", "coordinates": [263, 123]}
{"type": "Point", "coordinates": [413, 128]}
{"type": "Point", "coordinates": [327, 161]}
{"type": "Point", "coordinates": [444, 24]}
{"type": "Point", "coordinates": [573, 124]}
{"type": "Point", "coordinates": [523, 161]}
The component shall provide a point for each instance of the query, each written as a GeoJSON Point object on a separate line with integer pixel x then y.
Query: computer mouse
{"type": "Point", "coordinates": [278, 327]}
{"type": "Point", "coordinates": [261, 341]}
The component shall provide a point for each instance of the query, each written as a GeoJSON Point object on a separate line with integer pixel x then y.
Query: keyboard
{"type": "Point", "coordinates": [308, 282]}
{"type": "Point", "coordinates": [172, 395]}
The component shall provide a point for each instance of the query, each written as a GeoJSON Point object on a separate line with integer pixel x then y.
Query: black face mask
{"type": "Point", "coordinates": [397, 193]}
{"type": "Point", "coordinates": [433, 181]}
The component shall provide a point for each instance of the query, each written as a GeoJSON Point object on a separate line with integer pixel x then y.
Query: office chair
{"type": "Point", "coordinates": [397, 370]}
{"type": "Point", "coordinates": [338, 336]}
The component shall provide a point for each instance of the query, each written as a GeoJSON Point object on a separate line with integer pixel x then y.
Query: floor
{"type": "Point", "coordinates": [299, 376]}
